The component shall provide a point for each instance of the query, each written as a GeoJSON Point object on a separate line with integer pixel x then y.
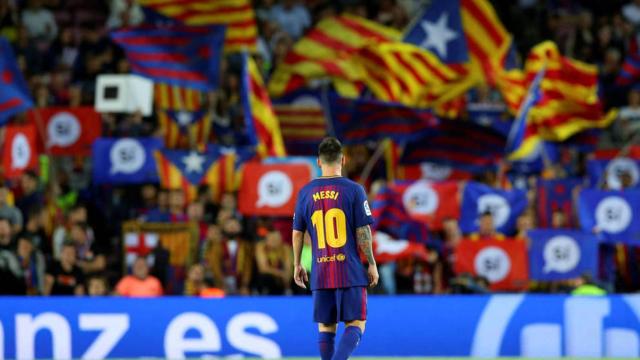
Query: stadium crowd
{"type": "Point", "coordinates": [61, 235]}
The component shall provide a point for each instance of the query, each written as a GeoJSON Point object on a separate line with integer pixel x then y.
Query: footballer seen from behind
{"type": "Point", "coordinates": [335, 212]}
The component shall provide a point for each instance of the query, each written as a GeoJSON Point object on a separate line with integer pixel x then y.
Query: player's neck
{"type": "Point", "coordinates": [331, 171]}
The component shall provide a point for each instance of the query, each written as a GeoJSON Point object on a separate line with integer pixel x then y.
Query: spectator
{"type": "Point", "coordinates": [8, 211]}
{"type": "Point", "coordinates": [229, 257]}
{"type": "Point", "coordinates": [291, 16]}
{"type": "Point", "coordinates": [139, 283]}
{"type": "Point", "coordinates": [31, 196]}
{"type": "Point", "coordinates": [39, 21]}
{"type": "Point", "coordinates": [524, 223]}
{"type": "Point", "coordinates": [91, 258]}
{"type": "Point", "coordinates": [98, 286]}
{"type": "Point", "coordinates": [35, 227]}
{"type": "Point", "coordinates": [32, 263]}
{"type": "Point", "coordinates": [8, 20]}
{"type": "Point", "coordinates": [195, 282]}
{"type": "Point", "coordinates": [176, 206]}
{"type": "Point", "coordinates": [629, 117]}
{"type": "Point", "coordinates": [78, 215]}
{"type": "Point", "coordinates": [486, 229]}
{"type": "Point", "coordinates": [11, 275]}
{"type": "Point", "coordinates": [274, 264]}
{"type": "Point", "coordinates": [558, 219]}
{"type": "Point", "coordinates": [64, 277]}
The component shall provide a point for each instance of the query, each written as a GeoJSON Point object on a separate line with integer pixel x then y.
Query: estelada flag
{"type": "Point", "coordinates": [271, 189]}
{"type": "Point", "coordinates": [67, 131]}
{"type": "Point", "coordinates": [503, 263]}
{"type": "Point", "coordinates": [19, 151]}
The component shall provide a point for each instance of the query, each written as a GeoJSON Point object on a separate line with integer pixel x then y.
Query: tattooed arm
{"type": "Point", "coordinates": [365, 243]}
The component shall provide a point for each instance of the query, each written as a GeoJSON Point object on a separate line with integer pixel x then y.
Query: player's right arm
{"type": "Point", "coordinates": [299, 273]}
{"type": "Point", "coordinates": [365, 243]}
{"type": "Point", "coordinates": [297, 239]}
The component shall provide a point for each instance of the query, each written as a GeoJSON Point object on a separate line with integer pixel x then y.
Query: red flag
{"type": "Point", "coordinates": [432, 202]}
{"type": "Point", "coordinates": [503, 263]}
{"type": "Point", "coordinates": [68, 131]}
{"type": "Point", "coordinates": [387, 249]}
{"type": "Point", "coordinates": [271, 189]}
{"type": "Point", "coordinates": [19, 152]}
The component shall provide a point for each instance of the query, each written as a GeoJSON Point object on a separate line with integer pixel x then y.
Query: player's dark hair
{"type": "Point", "coordinates": [330, 150]}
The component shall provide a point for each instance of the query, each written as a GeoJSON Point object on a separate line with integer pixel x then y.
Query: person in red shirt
{"type": "Point", "coordinates": [139, 283]}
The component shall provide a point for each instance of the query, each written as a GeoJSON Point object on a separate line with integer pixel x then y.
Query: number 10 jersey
{"type": "Point", "coordinates": [331, 209]}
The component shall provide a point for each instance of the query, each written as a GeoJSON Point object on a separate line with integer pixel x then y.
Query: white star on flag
{"type": "Point", "coordinates": [438, 35]}
{"type": "Point", "coordinates": [184, 118]}
{"type": "Point", "coordinates": [193, 162]}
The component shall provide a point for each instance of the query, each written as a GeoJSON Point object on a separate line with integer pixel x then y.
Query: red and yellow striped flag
{"type": "Point", "coordinates": [238, 16]}
{"type": "Point", "coordinates": [411, 75]}
{"type": "Point", "coordinates": [487, 39]}
{"type": "Point", "coordinates": [172, 104]}
{"type": "Point", "coordinates": [220, 174]}
{"type": "Point", "coordinates": [259, 113]}
{"type": "Point", "coordinates": [326, 52]}
{"type": "Point", "coordinates": [570, 101]}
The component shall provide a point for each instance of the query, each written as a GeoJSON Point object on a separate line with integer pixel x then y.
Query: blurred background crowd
{"type": "Point", "coordinates": [61, 234]}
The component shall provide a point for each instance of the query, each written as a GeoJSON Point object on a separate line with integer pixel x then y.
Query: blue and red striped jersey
{"type": "Point", "coordinates": [331, 209]}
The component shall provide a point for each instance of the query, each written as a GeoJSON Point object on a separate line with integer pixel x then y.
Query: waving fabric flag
{"type": "Point", "coordinates": [630, 71]}
{"type": "Point", "coordinates": [505, 206]}
{"type": "Point", "coordinates": [411, 75]}
{"type": "Point", "coordinates": [360, 120]}
{"type": "Point", "coordinates": [125, 160]}
{"type": "Point", "coordinates": [327, 51]}
{"type": "Point", "coordinates": [260, 119]}
{"type": "Point", "coordinates": [188, 169]}
{"type": "Point", "coordinates": [562, 254]}
{"type": "Point", "coordinates": [448, 144]}
{"type": "Point", "coordinates": [427, 202]}
{"type": "Point", "coordinates": [522, 141]}
{"type": "Point", "coordinates": [19, 151]}
{"type": "Point", "coordinates": [503, 263]}
{"type": "Point", "coordinates": [391, 217]}
{"type": "Point", "coordinates": [68, 131]}
{"type": "Point", "coordinates": [556, 195]}
{"type": "Point", "coordinates": [302, 121]}
{"type": "Point", "coordinates": [464, 33]}
{"type": "Point", "coordinates": [14, 94]}
{"type": "Point", "coordinates": [612, 213]}
{"type": "Point", "coordinates": [388, 249]}
{"type": "Point", "coordinates": [182, 117]}
{"type": "Point", "coordinates": [237, 15]}
{"type": "Point", "coordinates": [176, 55]}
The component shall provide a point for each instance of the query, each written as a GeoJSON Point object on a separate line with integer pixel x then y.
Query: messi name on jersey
{"type": "Point", "coordinates": [322, 195]}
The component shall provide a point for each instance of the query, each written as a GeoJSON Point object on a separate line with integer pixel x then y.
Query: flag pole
{"type": "Point", "coordinates": [366, 171]}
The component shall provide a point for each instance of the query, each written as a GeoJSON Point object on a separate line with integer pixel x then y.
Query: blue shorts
{"type": "Point", "coordinates": [331, 306]}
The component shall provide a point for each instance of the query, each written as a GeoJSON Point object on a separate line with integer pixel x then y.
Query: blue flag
{"type": "Point", "coordinates": [363, 120]}
{"type": "Point", "coordinates": [176, 55]}
{"type": "Point", "coordinates": [125, 160]}
{"type": "Point", "coordinates": [614, 214]}
{"type": "Point", "coordinates": [614, 172]}
{"type": "Point", "coordinates": [439, 29]}
{"type": "Point", "coordinates": [562, 254]}
{"type": "Point", "coordinates": [518, 133]}
{"type": "Point", "coordinates": [505, 206]}
{"type": "Point", "coordinates": [449, 144]}
{"type": "Point", "coordinates": [490, 116]}
{"type": "Point", "coordinates": [544, 153]}
{"type": "Point", "coordinates": [14, 94]}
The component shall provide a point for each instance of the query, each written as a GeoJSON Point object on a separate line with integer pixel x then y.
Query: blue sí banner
{"type": "Point", "coordinates": [125, 160]}
{"type": "Point", "coordinates": [614, 172]}
{"type": "Point", "coordinates": [533, 326]}
{"type": "Point", "coordinates": [505, 206]}
{"type": "Point", "coordinates": [562, 254]}
{"type": "Point", "coordinates": [615, 214]}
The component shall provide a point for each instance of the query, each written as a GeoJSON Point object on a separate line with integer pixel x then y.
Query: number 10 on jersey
{"type": "Point", "coordinates": [331, 227]}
